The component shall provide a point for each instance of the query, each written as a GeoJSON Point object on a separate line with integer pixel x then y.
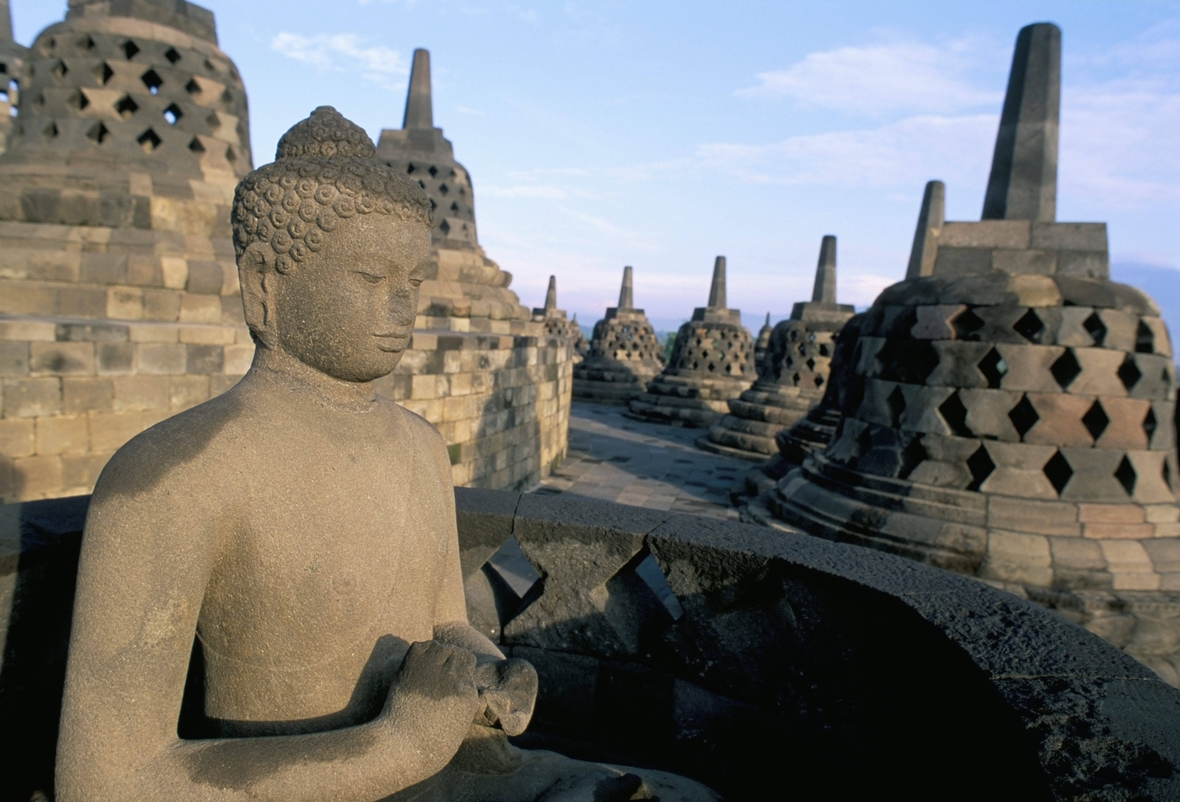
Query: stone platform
{"type": "Point", "coordinates": [615, 458]}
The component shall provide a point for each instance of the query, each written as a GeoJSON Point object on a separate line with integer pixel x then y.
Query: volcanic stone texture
{"type": "Point", "coordinates": [1017, 427]}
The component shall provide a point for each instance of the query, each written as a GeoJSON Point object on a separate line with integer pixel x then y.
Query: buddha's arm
{"type": "Point", "coordinates": [146, 559]}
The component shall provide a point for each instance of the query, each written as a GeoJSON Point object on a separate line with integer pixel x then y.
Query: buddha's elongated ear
{"type": "Point", "coordinates": [257, 276]}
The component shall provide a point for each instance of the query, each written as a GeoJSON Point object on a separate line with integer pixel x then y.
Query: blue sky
{"type": "Point", "coordinates": [659, 134]}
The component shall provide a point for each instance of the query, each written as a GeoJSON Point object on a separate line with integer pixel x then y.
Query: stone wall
{"type": "Point", "coordinates": [741, 657]}
{"type": "Point", "coordinates": [104, 332]}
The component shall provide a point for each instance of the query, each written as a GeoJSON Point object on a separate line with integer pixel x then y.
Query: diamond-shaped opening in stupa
{"type": "Point", "coordinates": [981, 466]}
{"type": "Point", "coordinates": [1096, 420]}
{"type": "Point", "coordinates": [1065, 369]}
{"type": "Point", "coordinates": [1058, 471]}
{"type": "Point", "coordinates": [1126, 475]}
{"type": "Point", "coordinates": [1024, 416]}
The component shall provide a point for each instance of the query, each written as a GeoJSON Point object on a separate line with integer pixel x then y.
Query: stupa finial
{"type": "Point", "coordinates": [1023, 182]}
{"type": "Point", "coordinates": [551, 295]}
{"type": "Point", "coordinates": [824, 291]}
{"type": "Point", "coordinates": [419, 107]}
{"type": "Point", "coordinates": [626, 292]}
{"type": "Point", "coordinates": [930, 220]}
{"type": "Point", "coordinates": [717, 290]}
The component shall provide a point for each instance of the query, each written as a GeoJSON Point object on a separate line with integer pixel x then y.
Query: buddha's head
{"type": "Point", "coordinates": [332, 246]}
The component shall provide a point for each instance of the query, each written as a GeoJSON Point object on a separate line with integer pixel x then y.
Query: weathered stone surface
{"type": "Point", "coordinates": [782, 642]}
{"type": "Point", "coordinates": [1013, 378]}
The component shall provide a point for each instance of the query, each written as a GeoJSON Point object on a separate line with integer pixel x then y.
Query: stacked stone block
{"type": "Point", "coordinates": [493, 380]}
{"type": "Point", "coordinates": [712, 361]}
{"type": "Point", "coordinates": [1011, 409]}
{"type": "Point", "coordinates": [624, 353]}
{"type": "Point", "coordinates": [794, 375]}
{"type": "Point", "coordinates": [119, 300]}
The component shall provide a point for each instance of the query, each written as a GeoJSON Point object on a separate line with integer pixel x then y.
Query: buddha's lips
{"type": "Point", "coordinates": [392, 342]}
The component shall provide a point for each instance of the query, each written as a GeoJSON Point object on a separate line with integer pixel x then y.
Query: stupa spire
{"type": "Point", "coordinates": [1023, 183]}
{"type": "Point", "coordinates": [5, 22]}
{"type": "Point", "coordinates": [930, 220]}
{"type": "Point", "coordinates": [824, 291]}
{"type": "Point", "coordinates": [551, 295]}
{"type": "Point", "coordinates": [419, 106]}
{"type": "Point", "coordinates": [717, 290]}
{"type": "Point", "coordinates": [626, 292]}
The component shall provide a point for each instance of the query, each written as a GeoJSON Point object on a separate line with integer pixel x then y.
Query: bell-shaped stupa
{"type": "Point", "coordinates": [795, 371]}
{"type": "Point", "coordinates": [12, 65]}
{"type": "Point", "coordinates": [557, 323]}
{"type": "Point", "coordinates": [762, 345]}
{"type": "Point", "coordinates": [624, 353]}
{"type": "Point", "coordinates": [712, 361]}
{"type": "Point", "coordinates": [493, 381]}
{"type": "Point", "coordinates": [1011, 411]}
{"type": "Point", "coordinates": [119, 302]}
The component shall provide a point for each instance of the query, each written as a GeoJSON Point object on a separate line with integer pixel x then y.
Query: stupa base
{"type": "Point", "coordinates": [1057, 554]}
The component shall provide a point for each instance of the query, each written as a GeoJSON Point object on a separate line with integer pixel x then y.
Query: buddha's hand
{"type": "Point", "coordinates": [434, 695]}
{"type": "Point", "coordinates": [507, 694]}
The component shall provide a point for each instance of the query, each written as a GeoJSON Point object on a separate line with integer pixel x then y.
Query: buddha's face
{"type": "Point", "coordinates": [348, 310]}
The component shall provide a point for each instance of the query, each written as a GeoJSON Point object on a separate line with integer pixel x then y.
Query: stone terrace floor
{"type": "Point", "coordinates": [652, 465]}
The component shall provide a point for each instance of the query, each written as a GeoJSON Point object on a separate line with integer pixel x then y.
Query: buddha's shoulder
{"type": "Point", "coordinates": [198, 443]}
{"type": "Point", "coordinates": [414, 424]}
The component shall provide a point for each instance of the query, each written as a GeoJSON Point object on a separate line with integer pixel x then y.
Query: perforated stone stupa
{"type": "Point", "coordinates": [712, 361]}
{"type": "Point", "coordinates": [624, 353]}
{"type": "Point", "coordinates": [1011, 411]}
{"type": "Point", "coordinates": [794, 374]}
{"type": "Point", "coordinates": [12, 64]}
{"type": "Point", "coordinates": [119, 298]}
{"type": "Point", "coordinates": [479, 368]}
{"type": "Point", "coordinates": [557, 323]}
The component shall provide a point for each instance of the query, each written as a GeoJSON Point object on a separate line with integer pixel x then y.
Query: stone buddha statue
{"type": "Point", "coordinates": [269, 600]}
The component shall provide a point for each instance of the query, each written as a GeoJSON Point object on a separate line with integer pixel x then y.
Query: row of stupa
{"type": "Point", "coordinates": [1006, 411]}
{"type": "Point", "coordinates": [119, 299]}
{"type": "Point", "coordinates": [706, 379]}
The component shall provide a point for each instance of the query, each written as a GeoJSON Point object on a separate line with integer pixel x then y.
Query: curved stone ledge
{"type": "Point", "coordinates": [745, 657]}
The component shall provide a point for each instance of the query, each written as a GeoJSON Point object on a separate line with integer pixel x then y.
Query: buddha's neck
{"type": "Point", "coordinates": [284, 370]}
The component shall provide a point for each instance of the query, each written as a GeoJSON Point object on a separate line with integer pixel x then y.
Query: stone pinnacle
{"type": "Point", "coordinates": [419, 108]}
{"type": "Point", "coordinates": [551, 295]}
{"type": "Point", "coordinates": [1023, 182]}
{"type": "Point", "coordinates": [626, 294]}
{"type": "Point", "coordinates": [930, 220]}
{"type": "Point", "coordinates": [824, 291]}
{"type": "Point", "coordinates": [5, 22]}
{"type": "Point", "coordinates": [717, 290]}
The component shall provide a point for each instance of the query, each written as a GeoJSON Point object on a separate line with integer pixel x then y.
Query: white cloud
{"type": "Point", "coordinates": [908, 152]}
{"type": "Point", "coordinates": [907, 77]}
{"type": "Point", "coordinates": [526, 191]}
{"type": "Point", "coordinates": [344, 52]}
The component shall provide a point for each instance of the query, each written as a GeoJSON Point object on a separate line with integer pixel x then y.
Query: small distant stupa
{"type": "Point", "coordinates": [624, 353]}
{"type": "Point", "coordinates": [762, 345]}
{"type": "Point", "coordinates": [557, 324]}
{"type": "Point", "coordinates": [12, 65]}
{"type": "Point", "coordinates": [712, 361]}
{"type": "Point", "coordinates": [795, 371]}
